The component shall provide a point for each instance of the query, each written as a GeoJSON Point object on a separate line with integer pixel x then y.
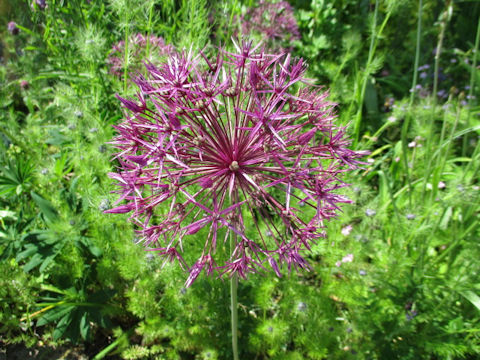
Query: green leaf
{"type": "Point", "coordinates": [51, 288]}
{"type": "Point", "coordinates": [460, 159]}
{"type": "Point", "coordinates": [73, 330]}
{"type": "Point", "coordinates": [383, 188]}
{"type": "Point", "coordinates": [62, 166]}
{"type": "Point", "coordinates": [472, 297]}
{"type": "Point", "coordinates": [7, 214]}
{"type": "Point", "coordinates": [87, 245]}
{"type": "Point", "coordinates": [54, 314]}
{"type": "Point", "coordinates": [46, 262]}
{"type": "Point", "coordinates": [56, 138]}
{"type": "Point", "coordinates": [46, 207]}
{"type": "Point", "coordinates": [62, 326]}
{"type": "Point", "coordinates": [30, 249]}
{"type": "Point", "coordinates": [446, 218]}
{"type": "Point", "coordinates": [84, 326]}
{"type": "Point", "coordinates": [36, 260]}
{"type": "Point", "coordinates": [43, 246]}
{"type": "Point", "coordinates": [371, 101]}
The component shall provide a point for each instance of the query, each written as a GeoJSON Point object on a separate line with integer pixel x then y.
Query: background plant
{"type": "Point", "coordinates": [406, 284]}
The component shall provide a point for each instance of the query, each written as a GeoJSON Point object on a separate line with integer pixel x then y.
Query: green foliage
{"type": "Point", "coordinates": [74, 311]}
{"type": "Point", "coordinates": [194, 26]}
{"type": "Point", "coordinates": [17, 296]}
{"type": "Point", "coordinates": [16, 177]}
{"type": "Point", "coordinates": [397, 276]}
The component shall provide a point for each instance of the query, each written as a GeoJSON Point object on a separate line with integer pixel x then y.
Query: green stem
{"type": "Point", "coordinates": [377, 134]}
{"type": "Point", "coordinates": [234, 308]}
{"type": "Point", "coordinates": [149, 32]}
{"type": "Point", "coordinates": [450, 140]}
{"type": "Point", "coordinates": [443, 25]}
{"type": "Point", "coordinates": [233, 301]}
{"type": "Point", "coordinates": [358, 118]}
{"type": "Point", "coordinates": [78, 7]}
{"type": "Point", "coordinates": [125, 57]}
{"type": "Point", "coordinates": [472, 86]}
{"type": "Point", "coordinates": [230, 21]}
{"type": "Point", "coordinates": [406, 124]}
{"type": "Point", "coordinates": [417, 52]}
{"type": "Point", "coordinates": [371, 52]}
{"type": "Point", "coordinates": [124, 337]}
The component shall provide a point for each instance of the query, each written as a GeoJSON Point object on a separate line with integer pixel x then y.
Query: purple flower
{"type": "Point", "coordinates": [417, 87]}
{"type": "Point", "coordinates": [410, 216]}
{"type": "Point", "coordinates": [171, 254]}
{"type": "Point", "coordinates": [346, 259]}
{"type": "Point", "coordinates": [347, 230]}
{"type": "Point", "coordinates": [228, 147]}
{"type": "Point", "coordinates": [301, 306]}
{"type": "Point", "coordinates": [12, 28]}
{"type": "Point", "coordinates": [442, 93]}
{"type": "Point", "coordinates": [122, 209]}
{"type": "Point", "coordinates": [137, 47]}
{"type": "Point", "coordinates": [24, 84]}
{"type": "Point", "coordinates": [104, 205]}
{"type": "Point", "coordinates": [370, 212]}
{"type": "Point", "coordinates": [41, 4]}
{"type": "Point", "coordinates": [410, 315]}
{"type": "Point", "coordinates": [273, 21]}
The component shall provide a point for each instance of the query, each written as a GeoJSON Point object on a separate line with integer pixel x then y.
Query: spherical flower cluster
{"type": "Point", "coordinates": [230, 147]}
{"type": "Point", "coordinates": [275, 22]}
{"type": "Point", "coordinates": [137, 45]}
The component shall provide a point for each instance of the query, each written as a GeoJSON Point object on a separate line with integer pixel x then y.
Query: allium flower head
{"type": "Point", "coordinates": [230, 147]}
{"type": "Point", "coordinates": [137, 45]}
{"type": "Point", "coordinates": [274, 21]}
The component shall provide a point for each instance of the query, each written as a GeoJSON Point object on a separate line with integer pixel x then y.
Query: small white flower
{"type": "Point", "coordinates": [347, 258]}
{"type": "Point", "coordinates": [370, 212]}
{"type": "Point", "coordinates": [347, 230]}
